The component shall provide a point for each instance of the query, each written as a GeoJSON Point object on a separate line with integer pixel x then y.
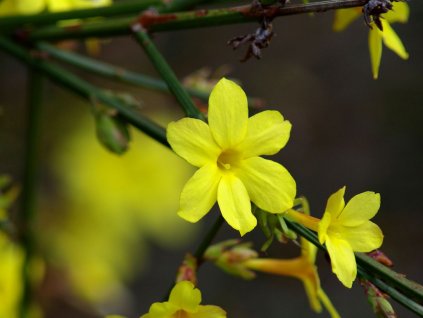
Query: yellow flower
{"type": "Point", "coordinates": [346, 229]}
{"type": "Point", "coordinates": [66, 5]}
{"type": "Point", "coordinates": [302, 268]}
{"type": "Point", "coordinates": [15, 7]}
{"type": "Point", "coordinates": [11, 262]}
{"type": "Point", "coordinates": [388, 36]}
{"type": "Point", "coordinates": [227, 152]}
{"type": "Point", "coordinates": [184, 301]}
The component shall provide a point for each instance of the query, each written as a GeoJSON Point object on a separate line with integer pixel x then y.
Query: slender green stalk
{"type": "Point", "coordinates": [118, 8]}
{"type": "Point", "coordinates": [167, 73]}
{"type": "Point", "coordinates": [185, 20]}
{"type": "Point", "coordinates": [86, 90]}
{"type": "Point", "coordinates": [113, 72]}
{"type": "Point", "coordinates": [29, 189]}
{"type": "Point", "coordinates": [208, 239]}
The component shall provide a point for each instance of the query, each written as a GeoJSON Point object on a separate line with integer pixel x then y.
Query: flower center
{"type": "Point", "coordinates": [180, 314]}
{"type": "Point", "coordinates": [228, 159]}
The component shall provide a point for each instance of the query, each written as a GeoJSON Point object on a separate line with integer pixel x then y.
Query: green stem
{"type": "Point", "coordinates": [29, 191]}
{"type": "Point", "coordinates": [240, 14]}
{"type": "Point", "coordinates": [86, 90]}
{"type": "Point", "coordinates": [113, 72]}
{"type": "Point", "coordinates": [118, 8]}
{"type": "Point", "coordinates": [166, 73]}
{"type": "Point", "coordinates": [396, 280]}
{"type": "Point", "coordinates": [186, 20]}
{"type": "Point", "coordinates": [392, 292]}
{"type": "Point", "coordinates": [208, 239]}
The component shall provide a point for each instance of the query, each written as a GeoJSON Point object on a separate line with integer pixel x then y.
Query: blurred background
{"type": "Point", "coordinates": [107, 227]}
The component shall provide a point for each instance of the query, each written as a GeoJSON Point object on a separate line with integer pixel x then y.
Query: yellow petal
{"type": "Point", "coordinates": [269, 185]}
{"type": "Point", "coordinates": [344, 17]}
{"type": "Point", "coordinates": [159, 310]}
{"type": "Point", "coordinates": [31, 6]}
{"type": "Point", "coordinates": [363, 238]}
{"type": "Point", "coordinates": [14, 7]}
{"type": "Point", "coordinates": [235, 205]}
{"type": "Point", "coordinates": [185, 296]}
{"type": "Point", "coordinates": [336, 203]}
{"type": "Point", "coordinates": [342, 260]}
{"type": "Point", "coordinates": [191, 139]}
{"type": "Point", "coordinates": [360, 209]}
{"type": "Point", "coordinates": [375, 49]}
{"type": "Point", "coordinates": [59, 5]}
{"type": "Point", "coordinates": [392, 40]}
{"type": "Point", "coordinates": [308, 250]}
{"type": "Point", "coordinates": [209, 311]}
{"type": "Point", "coordinates": [400, 13]}
{"type": "Point", "coordinates": [228, 113]}
{"type": "Point", "coordinates": [311, 287]}
{"type": "Point", "coordinates": [84, 4]}
{"type": "Point", "coordinates": [8, 7]}
{"type": "Point", "coordinates": [199, 193]}
{"type": "Point", "coordinates": [267, 133]}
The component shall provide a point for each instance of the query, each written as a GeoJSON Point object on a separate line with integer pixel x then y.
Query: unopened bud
{"type": "Point", "coordinates": [188, 270]}
{"type": "Point", "coordinates": [381, 257]}
{"type": "Point", "coordinates": [381, 306]}
{"type": "Point", "coordinates": [112, 133]}
{"type": "Point", "coordinates": [230, 256]}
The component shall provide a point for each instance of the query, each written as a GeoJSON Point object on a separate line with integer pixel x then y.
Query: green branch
{"type": "Point", "coordinates": [185, 20]}
{"type": "Point", "coordinates": [113, 72]}
{"type": "Point", "coordinates": [29, 188]}
{"type": "Point", "coordinates": [167, 73]}
{"type": "Point", "coordinates": [86, 90]}
{"type": "Point", "coordinates": [393, 293]}
{"type": "Point", "coordinates": [408, 287]}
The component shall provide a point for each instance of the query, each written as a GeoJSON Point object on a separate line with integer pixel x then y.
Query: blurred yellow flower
{"type": "Point", "coordinates": [184, 301]}
{"type": "Point", "coordinates": [111, 204]}
{"type": "Point", "coordinates": [11, 261]}
{"type": "Point", "coordinates": [302, 268]}
{"type": "Point", "coordinates": [227, 152]}
{"type": "Point", "coordinates": [400, 13]}
{"type": "Point", "coordinates": [16, 7]}
{"type": "Point", "coordinates": [346, 229]}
